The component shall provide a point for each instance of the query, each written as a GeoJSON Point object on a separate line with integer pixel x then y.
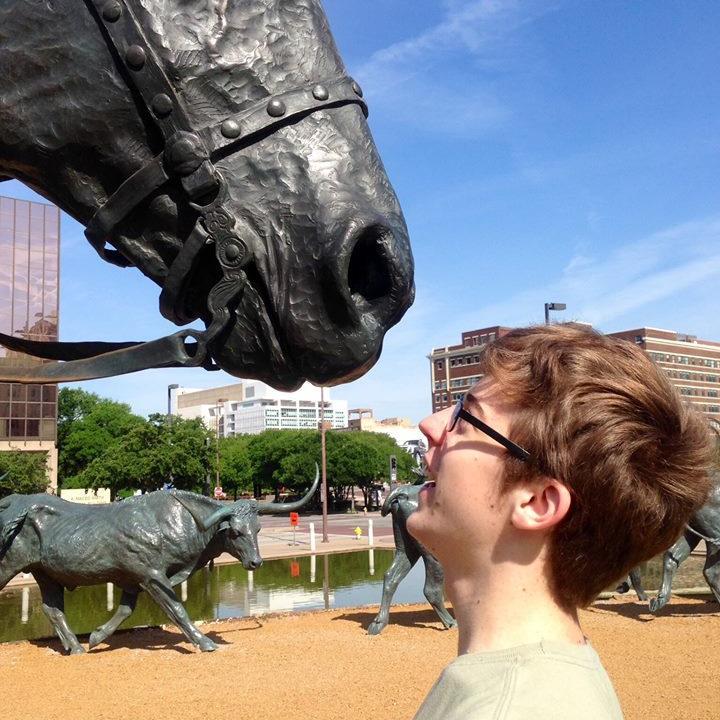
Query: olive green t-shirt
{"type": "Point", "coordinates": [543, 681]}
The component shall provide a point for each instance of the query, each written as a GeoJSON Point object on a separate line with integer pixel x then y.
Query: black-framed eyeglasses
{"type": "Point", "coordinates": [460, 412]}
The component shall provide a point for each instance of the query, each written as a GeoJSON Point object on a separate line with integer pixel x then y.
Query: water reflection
{"type": "Point", "coordinates": [223, 592]}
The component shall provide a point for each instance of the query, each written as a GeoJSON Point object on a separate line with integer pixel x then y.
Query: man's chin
{"type": "Point", "coordinates": [416, 525]}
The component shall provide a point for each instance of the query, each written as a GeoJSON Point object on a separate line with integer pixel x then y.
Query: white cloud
{"type": "Point", "coordinates": [622, 285]}
{"type": "Point", "coordinates": [417, 81]}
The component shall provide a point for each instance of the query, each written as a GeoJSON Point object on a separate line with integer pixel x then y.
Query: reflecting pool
{"type": "Point", "coordinates": [303, 583]}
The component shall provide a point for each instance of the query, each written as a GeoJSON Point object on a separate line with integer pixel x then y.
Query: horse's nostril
{"type": "Point", "coordinates": [369, 271]}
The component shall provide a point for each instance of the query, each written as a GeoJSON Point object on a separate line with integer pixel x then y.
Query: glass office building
{"type": "Point", "coordinates": [29, 265]}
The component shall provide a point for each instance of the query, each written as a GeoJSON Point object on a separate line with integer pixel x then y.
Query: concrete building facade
{"type": "Point", "coordinates": [29, 291]}
{"type": "Point", "coordinates": [402, 430]}
{"type": "Point", "coordinates": [250, 407]}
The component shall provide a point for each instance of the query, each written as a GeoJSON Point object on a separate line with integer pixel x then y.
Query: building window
{"type": "Point", "coordinates": [440, 364]}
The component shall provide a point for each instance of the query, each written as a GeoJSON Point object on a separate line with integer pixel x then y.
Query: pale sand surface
{"type": "Point", "coordinates": [322, 665]}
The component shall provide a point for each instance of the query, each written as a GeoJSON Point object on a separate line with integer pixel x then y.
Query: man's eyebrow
{"type": "Point", "coordinates": [475, 403]}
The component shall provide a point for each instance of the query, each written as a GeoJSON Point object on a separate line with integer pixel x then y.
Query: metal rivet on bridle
{"type": "Point", "coordinates": [320, 92]}
{"type": "Point", "coordinates": [276, 108]}
{"type": "Point", "coordinates": [233, 252]}
{"type": "Point", "coordinates": [162, 105]}
{"type": "Point", "coordinates": [357, 89]}
{"type": "Point", "coordinates": [230, 129]}
{"type": "Point", "coordinates": [112, 11]}
{"type": "Point", "coordinates": [135, 57]}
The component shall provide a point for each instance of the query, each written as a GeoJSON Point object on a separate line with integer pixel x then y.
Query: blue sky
{"type": "Point", "coordinates": [542, 151]}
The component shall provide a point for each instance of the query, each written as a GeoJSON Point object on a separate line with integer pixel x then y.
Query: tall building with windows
{"type": "Point", "coordinates": [454, 368]}
{"type": "Point", "coordinates": [29, 267]}
{"type": "Point", "coordinates": [249, 407]}
{"type": "Point", "coordinates": [692, 365]}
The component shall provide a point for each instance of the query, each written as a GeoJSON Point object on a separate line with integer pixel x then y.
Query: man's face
{"type": "Point", "coordinates": [461, 511]}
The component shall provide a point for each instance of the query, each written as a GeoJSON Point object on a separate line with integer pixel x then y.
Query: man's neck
{"type": "Point", "coordinates": [503, 609]}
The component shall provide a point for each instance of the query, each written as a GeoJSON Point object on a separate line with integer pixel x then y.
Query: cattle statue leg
{"type": "Point", "coordinates": [160, 590]}
{"type": "Point", "coordinates": [434, 578]}
{"type": "Point", "coordinates": [399, 568]}
{"type": "Point", "coordinates": [53, 596]}
{"type": "Point", "coordinates": [711, 571]}
{"type": "Point", "coordinates": [125, 609]}
{"type": "Point", "coordinates": [636, 581]}
{"type": "Point", "coordinates": [679, 552]}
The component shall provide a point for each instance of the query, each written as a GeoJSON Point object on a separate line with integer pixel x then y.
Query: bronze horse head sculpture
{"type": "Point", "coordinates": [219, 147]}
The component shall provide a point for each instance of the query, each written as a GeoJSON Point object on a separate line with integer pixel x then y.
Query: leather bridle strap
{"type": "Point", "coordinates": [187, 157]}
{"type": "Point", "coordinates": [94, 361]}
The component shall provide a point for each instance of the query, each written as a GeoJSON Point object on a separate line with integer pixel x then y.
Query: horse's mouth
{"type": "Point", "coordinates": [251, 346]}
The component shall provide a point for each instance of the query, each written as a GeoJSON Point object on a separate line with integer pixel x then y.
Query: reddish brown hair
{"type": "Point", "coordinates": [597, 414]}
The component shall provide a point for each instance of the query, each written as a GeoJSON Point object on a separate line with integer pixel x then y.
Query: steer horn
{"type": "Point", "coordinates": [206, 523]}
{"type": "Point", "coordinates": [280, 508]}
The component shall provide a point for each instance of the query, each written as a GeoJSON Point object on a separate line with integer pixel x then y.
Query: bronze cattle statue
{"type": "Point", "coordinates": [403, 502]}
{"type": "Point", "coordinates": [703, 525]}
{"type": "Point", "coordinates": [221, 149]}
{"type": "Point", "coordinates": [148, 542]}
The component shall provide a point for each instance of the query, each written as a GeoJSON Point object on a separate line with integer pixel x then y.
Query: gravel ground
{"type": "Point", "coordinates": [323, 666]}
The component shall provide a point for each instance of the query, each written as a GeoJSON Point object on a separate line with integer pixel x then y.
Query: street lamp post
{"type": "Point", "coordinates": [552, 306]}
{"type": "Point", "coordinates": [172, 387]}
{"type": "Point", "coordinates": [217, 441]}
{"type": "Point", "coordinates": [323, 460]}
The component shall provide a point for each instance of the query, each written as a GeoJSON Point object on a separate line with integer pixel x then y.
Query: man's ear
{"type": "Point", "coordinates": [540, 505]}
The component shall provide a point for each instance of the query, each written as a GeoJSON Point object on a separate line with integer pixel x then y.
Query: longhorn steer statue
{"type": "Point", "coordinates": [703, 525]}
{"type": "Point", "coordinates": [403, 502]}
{"type": "Point", "coordinates": [149, 542]}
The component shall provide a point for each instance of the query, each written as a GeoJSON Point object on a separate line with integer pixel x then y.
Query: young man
{"type": "Point", "coordinates": [569, 463]}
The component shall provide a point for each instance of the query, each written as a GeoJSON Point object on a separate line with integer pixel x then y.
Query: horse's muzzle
{"type": "Point", "coordinates": [325, 326]}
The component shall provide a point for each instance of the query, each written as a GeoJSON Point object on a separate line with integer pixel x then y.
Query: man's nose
{"type": "Point", "coordinates": [433, 426]}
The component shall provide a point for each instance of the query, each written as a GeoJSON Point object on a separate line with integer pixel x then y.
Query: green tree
{"type": "Point", "coordinates": [87, 428]}
{"type": "Point", "coordinates": [362, 459]}
{"type": "Point", "coordinates": [236, 472]}
{"type": "Point", "coordinates": [283, 458]}
{"type": "Point", "coordinates": [286, 458]}
{"type": "Point", "coordinates": [23, 472]}
{"type": "Point", "coordinates": [152, 453]}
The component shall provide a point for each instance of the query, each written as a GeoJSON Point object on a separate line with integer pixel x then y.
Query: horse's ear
{"type": "Point", "coordinates": [9, 530]}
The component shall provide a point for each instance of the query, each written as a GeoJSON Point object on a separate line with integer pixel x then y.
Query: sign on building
{"type": "Point", "coordinates": [87, 496]}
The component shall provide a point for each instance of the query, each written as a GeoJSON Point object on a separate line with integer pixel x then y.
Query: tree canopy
{"type": "Point", "coordinates": [153, 453]}
{"type": "Point", "coordinates": [23, 472]}
{"type": "Point", "coordinates": [88, 426]}
{"type": "Point", "coordinates": [286, 459]}
{"type": "Point", "coordinates": [103, 444]}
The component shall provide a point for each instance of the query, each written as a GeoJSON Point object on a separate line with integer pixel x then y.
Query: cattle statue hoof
{"type": "Point", "coordinates": [95, 639]}
{"type": "Point", "coordinates": [654, 605]}
{"type": "Point", "coordinates": [207, 645]}
{"type": "Point", "coordinates": [79, 650]}
{"type": "Point", "coordinates": [450, 624]}
{"type": "Point", "coordinates": [376, 627]}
